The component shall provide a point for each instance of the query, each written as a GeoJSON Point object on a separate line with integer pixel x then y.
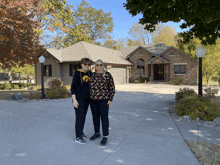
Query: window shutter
{"type": "Point", "coordinates": [50, 70]}
{"type": "Point", "coordinates": [70, 69]}
{"type": "Point", "coordinates": [45, 68]}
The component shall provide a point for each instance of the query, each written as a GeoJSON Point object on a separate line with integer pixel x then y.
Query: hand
{"type": "Point", "coordinates": [75, 103]}
{"type": "Point", "coordinates": [109, 103]}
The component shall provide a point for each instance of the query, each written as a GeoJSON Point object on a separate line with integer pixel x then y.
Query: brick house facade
{"type": "Point", "coordinates": [160, 62]}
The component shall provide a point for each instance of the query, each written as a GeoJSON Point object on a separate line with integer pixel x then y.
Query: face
{"type": "Point", "coordinates": [85, 66]}
{"type": "Point", "coordinates": [99, 66]}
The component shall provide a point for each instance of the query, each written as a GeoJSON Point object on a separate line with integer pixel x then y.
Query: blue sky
{"type": "Point", "coordinates": [122, 20]}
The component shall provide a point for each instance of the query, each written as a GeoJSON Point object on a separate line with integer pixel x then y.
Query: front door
{"type": "Point", "coordinates": [158, 71]}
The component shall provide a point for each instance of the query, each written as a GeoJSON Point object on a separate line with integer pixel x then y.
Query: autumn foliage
{"type": "Point", "coordinates": [19, 32]}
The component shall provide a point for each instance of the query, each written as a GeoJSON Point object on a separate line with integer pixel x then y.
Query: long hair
{"type": "Point", "coordinates": [104, 69]}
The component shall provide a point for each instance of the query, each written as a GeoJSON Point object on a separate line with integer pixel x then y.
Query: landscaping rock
{"type": "Point", "coordinates": [16, 96]}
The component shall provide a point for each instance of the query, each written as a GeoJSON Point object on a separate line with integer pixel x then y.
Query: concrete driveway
{"type": "Point", "coordinates": [141, 131]}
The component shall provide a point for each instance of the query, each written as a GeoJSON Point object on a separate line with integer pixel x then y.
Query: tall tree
{"type": "Point", "coordinates": [165, 34]}
{"type": "Point", "coordinates": [110, 43]}
{"type": "Point", "coordinates": [131, 42]}
{"type": "Point", "coordinates": [138, 32]}
{"type": "Point", "coordinates": [19, 28]}
{"type": "Point", "coordinates": [201, 17]}
{"type": "Point", "coordinates": [98, 23]}
{"type": "Point", "coordinates": [120, 43]}
{"type": "Point", "coordinates": [58, 18]}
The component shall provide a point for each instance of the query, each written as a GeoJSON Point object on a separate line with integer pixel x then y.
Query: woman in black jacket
{"type": "Point", "coordinates": [80, 98]}
{"type": "Point", "coordinates": [102, 90]}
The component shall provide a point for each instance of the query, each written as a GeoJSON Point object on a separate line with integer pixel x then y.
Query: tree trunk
{"type": "Point", "coordinates": [9, 74]}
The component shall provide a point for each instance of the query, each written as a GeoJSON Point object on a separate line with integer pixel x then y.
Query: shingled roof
{"type": "Point", "coordinates": [154, 49]}
{"type": "Point", "coordinates": [94, 52]}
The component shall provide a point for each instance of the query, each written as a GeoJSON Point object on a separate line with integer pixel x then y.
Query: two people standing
{"type": "Point", "coordinates": [96, 89]}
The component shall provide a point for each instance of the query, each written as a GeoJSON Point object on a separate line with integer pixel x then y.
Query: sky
{"type": "Point", "coordinates": [122, 20]}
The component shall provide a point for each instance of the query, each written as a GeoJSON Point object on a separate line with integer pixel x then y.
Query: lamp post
{"type": "Point", "coordinates": [42, 60]}
{"type": "Point", "coordinates": [200, 53]}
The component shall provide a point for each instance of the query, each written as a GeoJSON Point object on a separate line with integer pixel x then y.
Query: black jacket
{"type": "Point", "coordinates": [80, 84]}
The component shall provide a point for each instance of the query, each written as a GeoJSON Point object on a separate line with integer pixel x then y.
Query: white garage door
{"type": "Point", "coordinates": [119, 75]}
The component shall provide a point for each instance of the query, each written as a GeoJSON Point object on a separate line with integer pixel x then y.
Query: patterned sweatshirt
{"type": "Point", "coordinates": [102, 87]}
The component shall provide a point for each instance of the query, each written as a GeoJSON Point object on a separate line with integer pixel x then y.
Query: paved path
{"type": "Point", "coordinates": [141, 132]}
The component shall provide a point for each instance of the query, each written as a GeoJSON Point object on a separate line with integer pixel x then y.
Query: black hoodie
{"type": "Point", "coordinates": [80, 84]}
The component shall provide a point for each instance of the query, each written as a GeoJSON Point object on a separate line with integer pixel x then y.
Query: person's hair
{"type": "Point", "coordinates": [84, 60]}
{"type": "Point", "coordinates": [104, 70]}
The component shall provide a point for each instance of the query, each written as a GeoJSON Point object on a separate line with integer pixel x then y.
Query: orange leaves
{"type": "Point", "coordinates": [51, 29]}
{"type": "Point", "coordinates": [19, 41]}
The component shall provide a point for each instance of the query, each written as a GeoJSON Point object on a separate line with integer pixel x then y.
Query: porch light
{"type": "Point", "coordinates": [200, 53]}
{"type": "Point", "coordinates": [42, 60]}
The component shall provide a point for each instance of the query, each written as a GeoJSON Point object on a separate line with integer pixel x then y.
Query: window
{"type": "Point", "coordinates": [179, 69]}
{"type": "Point", "coordinates": [47, 70]}
{"type": "Point", "coordinates": [73, 68]}
{"type": "Point", "coordinates": [140, 67]}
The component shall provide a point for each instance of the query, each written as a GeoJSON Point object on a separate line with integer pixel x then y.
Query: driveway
{"type": "Point", "coordinates": [141, 131]}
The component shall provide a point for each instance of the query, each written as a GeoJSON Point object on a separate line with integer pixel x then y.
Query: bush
{"type": "Point", "coordinates": [210, 93]}
{"type": "Point", "coordinates": [3, 86]}
{"type": "Point", "coordinates": [21, 85]}
{"type": "Point", "coordinates": [136, 81]}
{"type": "Point", "coordinates": [183, 93]}
{"type": "Point", "coordinates": [68, 87]}
{"type": "Point", "coordinates": [35, 95]}
{"type": "Point", "coordinates": [8, 86]}
{"type": "Point", "coordinates": [55, 83]}
{"type": "Point", "coordinates": [16, 86]}
{"type": "Point", "coordinates": [141, 80]}
{"type": "Point", "coordinates": [194, 107]}
{"type": "Point", "coordinates": [178, 81]}
{"type": "Point", "coordinates": [57, 92]}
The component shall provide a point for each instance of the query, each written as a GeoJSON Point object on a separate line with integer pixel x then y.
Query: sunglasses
{"type": "Point", "coordinates": [98, 64]}
{"type": "Point", "coordinates": [87, 64]}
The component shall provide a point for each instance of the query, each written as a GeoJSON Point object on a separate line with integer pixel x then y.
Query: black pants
{"type": "Point", "coordinates": [81, 112]}
{"type": "Point", "coordinates": [99, 109]}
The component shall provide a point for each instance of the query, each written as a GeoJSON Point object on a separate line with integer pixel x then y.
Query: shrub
{"type": "Point", "coordinates": [68, 87]}
{"type": "Point", "coordinates": [16, 86]}
{"type": "Point", "coordinates": [194, 107]}
{"type": "Point", "coordinates": [57, 92]}
{"type": "Point", "coordinates": [183, 93]}
{"type": "Point", "coordinates": [8, 86]}
{"type": "Point", "coordinates": [210, 93]}
{"type": "Point", "coordinates": [3, 86]}
{"type": "Point", "coordinates": [55, 83]}
{"type": "Point", "coordinates": [35, 95]}
{"type": "Point", "coordinates": [21, 85]}
{"type": "Point", "coordinates": [136, 81]}
{"type": "Point", "coordinates": [178, 81]}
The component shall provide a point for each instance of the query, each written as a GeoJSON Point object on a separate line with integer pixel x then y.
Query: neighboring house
{"type": "Point", "coordinates": [160, 62]}
{"type": "Point", "coordinates": [62, 63]}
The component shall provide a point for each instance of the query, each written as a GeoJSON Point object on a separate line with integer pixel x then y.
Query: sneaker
{"type": "Point", "coordinates": [96, 135]}
{"type": "Point", "coordinates": [81, 140]}
{"type": "Point", "coordinates": [104, 141]}
{"type": "Point", "coordinates": [84, 136]}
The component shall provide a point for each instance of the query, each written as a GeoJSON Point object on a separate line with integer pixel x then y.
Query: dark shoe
{"type": "Point", "coordinates": [81, 140]}
{"type": "Point", "coordinates": [96, 135]}
{"type": "Point", "coordinates": [84, 136]}
{"type": "Point", "coordinates": [104, 141]}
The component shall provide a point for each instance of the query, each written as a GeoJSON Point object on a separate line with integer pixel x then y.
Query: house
{"type": "Point", "coordinates": [62, 63]}
{"type": "Point", "coordinates": [158, 62]}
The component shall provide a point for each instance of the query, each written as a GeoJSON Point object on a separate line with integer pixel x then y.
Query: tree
{"type": "Point", "coordinates": [110, 43]}
{"type": "Point", "coordinates": [131, 42]}
{"type": "Point", "coordinates": [201, 17]}
{"type": "Point", "coordinates": [57, 17]}
{"type": "Point", "coordinates": [138, 32]}
{"type": "Point", "coordinates": [165, 34]}
{"type": "Point", "coordinates": [120, 43]}
{"type": "Point", "coordinates": [98, 23]}
{"type": "Point", "coordinates": [19, 32]}
{"type": "Point", "coordinates": [210, 63]}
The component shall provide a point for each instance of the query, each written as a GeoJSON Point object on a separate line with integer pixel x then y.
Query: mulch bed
{"type": "Point", "coordinates": [6, 94]}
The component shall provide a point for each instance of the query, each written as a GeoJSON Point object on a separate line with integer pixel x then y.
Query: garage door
{"type": "Point", "coordinates": [119, 75]}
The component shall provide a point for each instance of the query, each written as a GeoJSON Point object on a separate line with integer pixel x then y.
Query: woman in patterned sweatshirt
{"type": "Point", "coordinates": [102, 90]}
